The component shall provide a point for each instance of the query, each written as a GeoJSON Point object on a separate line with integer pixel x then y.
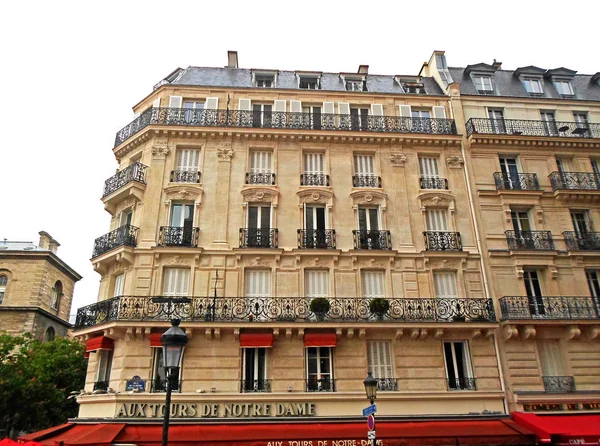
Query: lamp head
{"type": "Point", "coordinates": [370, 387]}
{"type": "Point", "coordinates": [173, 341]}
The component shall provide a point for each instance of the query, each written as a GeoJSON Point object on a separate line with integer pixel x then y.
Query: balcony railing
{"type": "Point", "coordinates": [549, 307]}
{"type": "Point", "coordinates": [462, 384]}
{"type": "Point", "coordinates": [582, 241]}
{"type": "Point", "coordinates": [559, 384]}
{"type": "Point", "coordinates": [185, 176]}
{"type": "Point", "coordinates": [135, 172]}
{"type": "Point", "coordinates": [529, 240]}
{"type": "Point", "coordinates": [574, 181]}
{"type": "Point", "coordinates": [387, 384]}
{"type": "Point", "coordinates": [269, 309]}
{"type": "Point", "coordinates": [316, 238]}
{"type": "Point", "coordinates": [255, 385]}
{"type": "Point", "coordinates": [101, 386]}
{"type": "Point", "coordinates": [559, 129]}
{"type": "Point", "coordinates": [519, 181]}
{"type": "Point", "coordinates": [366, 181]}
{"type": "Point", "coordinates": [314, 179]}
{"type": "Point", "coordinates": [442, 241]}
{"type": "Point", "coordinates": [282, 120]}
{"type": "Point", "coordinates": [434, 183]}
{"type": "Point", "coordinates": [259, 238]}
{"type": "Point", "coordinates": [123, 236]}
{"type": "Point", "coordinates": [178, 236]}
{"type": "Point", "coordinates": [260, 178]}
{"type": "Point", "coordinates": [366, 239]}
{"type": "Point", "coordinates": [320, 385]}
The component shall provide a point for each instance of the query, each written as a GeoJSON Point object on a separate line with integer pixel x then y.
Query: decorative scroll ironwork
{"type": "Point", "coordinates": [185, 176]}
{"type": "Point", "coordinates": [255, 385]}
{"type": "Point", "coordinates": [387, 384]}
{"type": "Point", "coordinates": [314, 179]}
{"type": "Point", "coordinates": [101, 386]}
{"type": "Point", "coordinates": [260, 178]}
{"type": "Point", "coordinates": [549, 307]}
{"type": "Point", "coordinates": [259, 238]}
{"type": "Point", "coordinates": [135, 172]}
{"type": "Point", "coordinates": [524, 127]}
{"type": "Point", "coordinates": [442, 241]}
{"type": "Point", "coordinates": [320, 385]}
{"type": "Point", "coordinates": [574, 181]}
{"type": "Point", "coordinates": [178, 236]}
{"type": "Point", "coordinates": [582, 241]}
{"type": "Point", "coordinates": [316, 238]}
{"type": "Point", "coordinates": [559, 384]}
{"type": "Point", "coordinates": [366, 181]}
{"type": "Point", "coordinates": [529, 240]}
{"type": "Point", "coordinates": [122, 236]}
{"type": "Point", "coordinates": [283, 120]}
{"type": "Point", "coordinates": [269, 309]}
{"type": "Point", "coordinates": [518, 181]}
{"type": "Point", "coordinates": [462, 384]}
{"type": "Point", "coordinates": [434, 183]}
{"type": "Point", "coordinates": [367, 239]}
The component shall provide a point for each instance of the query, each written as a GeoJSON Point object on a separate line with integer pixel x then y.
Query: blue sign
{"type": "Point", "coordinates": [136, 383]}
{"type": "Point", "coordinates": [369, 410]}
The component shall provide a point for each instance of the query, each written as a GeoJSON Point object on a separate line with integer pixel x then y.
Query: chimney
{"type": "Point", "coordinates": [363, 69]}
{"type": "Point", "coordinates": [44, 240]}
{"type": "Point", "coordinates": [54, 245]}
{"type": "Point", "coordinates": [497, 65]}
{"type": "Point", "coordinates": [232, 59]}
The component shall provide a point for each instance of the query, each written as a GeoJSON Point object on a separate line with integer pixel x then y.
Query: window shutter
{"type": "Point", "coordinates": [445, 285]}
{"type": "Point", "coordinates": [343, 108]}
{"type": "Point", "coordinates": [551, 358]}
{"type": "Point", "coordinates": [119, 281]}
{"type": "Point", "coordinates": [429, 167]}
{"type": "Point", "coordinates": [245, 104]}
{"type": "Point", "coordinates": [176, 282]}
{"type": "Point", "coordinates": [211, 103]}
{"type": "Point", "coordinates": [296, 106]}
{"type": "Point", "coordinates": [260, 162]}
{"type": "Point", "coordinates": [439, 112]}
{"type": "Point", "coordinates": [376, 110]}
{"type": "Point", "coordinates": [188, 160]}
{"type": "Point", "coordinates": [156, 103]}
{"type": "Point", "coordinates": [364, 165]}
{"type": "Point", "coordinates": [279, 106]}
{"type": "Point", "coordinates": [436, 220]}
{"type": "Point", "coordinates": [405, 110]}
{"type": "Point", "coordinates": [317, 284]}
{"type": "Point", "coordinates": [313, 162]}
{"type": "Point", "coordinates": [380, 359]}
{"type": "Point", "coordinates": [373, 284]}
{"type": "Point", "coordinates": [258, 284]}
{"type": "Point", "coordinates": [329, 108]}
{"type": "Point", "coordinates": [175, 101]}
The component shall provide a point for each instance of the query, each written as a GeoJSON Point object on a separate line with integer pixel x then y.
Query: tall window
{"type": "Point", "coordinates": [254, 370]}
{"type": "Point", "coordinates": [125, 217]}
{"type": "Point", "coordinates": [319, 369]}
{"type": "Point", "coordinates": [176, 282]}
{"type": "Point", "coordinates": [119, 284]}
{"type": "Point", "coordinates": [158, 370]}
{"type": "Point", "coordinates": [594, 285]}
{"type": "Point", "coordinates": [258, 283]}
{"type": "Point", "coordinates": [192, 111]}
{"type": "Point", "coordinates": [364, 165]}
{"type": "Point", "coordinates": [510, 173]}
{"type": "Point", "coordinates": [259, 225]}
{"type": "Point", "coordinates": [564, 87]}
{"type": "Point", "coordinates": [429, 167]}
{"type": "Point", "coordinates": [549, 122]}
{"type": "Point", "coordinates": [262, 115]}
{"type": "Point", "coordinates": [497, 120]}
{"type": "Point", "coordinates": [56, 294]}
{"type": "Point", "coordinates": [379, 357]}
{"type": "Point", "coordinates": [436, 220]}
{"type": "Point", "coordinates": [188, 160]}
{"type": "Point", "coordinates": [104, 367]}
{"type": "Point", "coordinates": [483, 84]}
{"type": "Point", "coordinates": [314, 163]}
{"type": "Point", "coordinates": [315, 225]}
{"type": "Point", "coordinates": [182, 216]}
{"type": "Point", "coordinates": [520, 221]}
{"type": "Point", "coordinates": [359, 118]}
{"type": "Point", "coordinates": [534, 293]}
{"type": "Point", "coordinates": [458, 366]}
{"type": "Point", "coordinates": [373, 284]}
{"type": "Point", "coordinates": [581, 222]}
{"type": "Point", "coordinates": [311, 116]}
{"type": "Point", "coordinates": [551, 357]}
{"type": "Point", "coordinates": [533, 86]}
{"type": "Point", "coordinates": [316, 284]}
{"type": "Point", "coordinates": [445, 284]}
{"type": "Point", "coordinates": [50, 334]}
{"type": "Point", "coordinates": [3, 284]}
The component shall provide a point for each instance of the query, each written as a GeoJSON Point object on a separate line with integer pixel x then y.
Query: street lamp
{"type": "Point", "coordinates": [173, 341]}
{"type": "Point", "coordinates": [371, 390]}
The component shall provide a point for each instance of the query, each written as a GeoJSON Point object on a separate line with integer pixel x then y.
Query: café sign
{"type": "Point", "coordinates": [216, 410]}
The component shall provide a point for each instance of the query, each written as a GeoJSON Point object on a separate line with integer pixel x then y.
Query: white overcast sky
{"type": "Point", "coordinates": [71, 71]}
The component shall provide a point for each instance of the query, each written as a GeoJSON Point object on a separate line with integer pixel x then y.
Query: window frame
{"type": "Point", "coordinates": [467, 365]}
{"type": "Point", "coordinates": [257, 385]}
{"type": "Point", "coordinates": [3, 287]}
{"type": "Point", "coordinates": [480, 87]}
{"type": "Point", "coordinates": [104, 365]}
{"type": "Point", "coordinates": [529, 82]}
{"type": "Point", "coordinates": [381, 370]}
{"type": "Point", "coordinates": [563, 82]}
{"type": "Point", "coordinates": [319, 372]}
{"type": "Point", "coordinates": [55, 295]}
{"type": "Point", "coordinates": [304, 78]}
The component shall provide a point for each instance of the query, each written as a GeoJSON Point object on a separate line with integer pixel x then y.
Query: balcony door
{"type": "Point", "coordinates": [311, 116]}
{"type": "Point", "coordinates": [594, 285]}
{"type": "Point", "coordinates": [534, 293]}
{"type": "Point", "coordinates": [379, 358]}
{"type": "Point", "coordinates": [458, 366]}
{"type": "Point", "coordinates": [551, 358]}
{"type": "Point", "coordinates": [182, 222]}
{"type": "Point", "coordinates": [188, 160]}
{"type": "Point", "coordinates": [445, 285]}
{"type": "Point", "coordinates": [359, 118]}
{"type": "Point", "coordinates": [254, 369]}
{"type": "Point", "coordinates": [497, 120]}
{"type": "Point", "coordinates": [436, 220]}
{"type": "Point", "coordinates": [319, 369]}
{"type": "Point", "coordinates": [364, 165]}
{"type": "Point", "coordinates": [262, 115]}
{"type": "Point", "coordinates": [520, 221]}
{"type": "Point", "coordinates": [549, 123]}
{"type": "Point", "coordinates": [259, 225]}
{"type": "Point", "coordinates": [315, 218]}
{"type": "Point", "coordinates": [510, 173]}
{"type": "Point", "coordinates": [176, 283]}
{"type": "Point", "coordinates": [373, 284]}
{"type": "Point", "coordinates": [126, 217]}
{"type": "Point", "coordinates": [581, 223]}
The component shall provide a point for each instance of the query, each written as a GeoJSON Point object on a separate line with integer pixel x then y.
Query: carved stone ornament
{"type": "Point", "coordinates": [225, 153]}
{"type": "Point", "coordinates": [177, 260]}
{"type": "Point", "coordinates": [436, 202]}
{"type": "Point", "coordinates": [159, 152]}
{"type": "Point", "coordinates": [314, 195]}
{"type": "Point", "coordinates": [262, 194]}
{"type": "Point", "coordinates": [398, 159]}
{"type": "Point", "coordinates": [180, 192]}
{"type": "Point", "coordinates": [454, 161]}
{"type": "Point", "coordinates": [371, 198]}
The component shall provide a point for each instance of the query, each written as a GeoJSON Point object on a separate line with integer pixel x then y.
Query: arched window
{"type": "Point", "coordinates": [3, 283]}
{"type": "Point", "coordinates": [56, 295]}
{"type": "Point", "coordinates": [50, 333]}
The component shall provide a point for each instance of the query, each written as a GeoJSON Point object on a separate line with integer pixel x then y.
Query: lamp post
{"type": "Point", "coordinates": [371, 390]}
{"type": "Point", "coordinates": [173, 341]}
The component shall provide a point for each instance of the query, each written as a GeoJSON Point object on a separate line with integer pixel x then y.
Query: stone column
{"type": "Point", "coordinates": [221, 209]}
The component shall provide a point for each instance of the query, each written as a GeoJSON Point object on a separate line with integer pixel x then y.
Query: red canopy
{"type": "Point", "coordinates": [155, 340]}
{"type": "Point", "coordinates": [251, 340]}
{"type": "Point", "coordinates": [320, 340]}
{"type": "Point", "coordinates": [569, 430]}
{"type": "Point", "coordinates": [8, 442]}
{"type": "Point", "coordinates": [99, 342]}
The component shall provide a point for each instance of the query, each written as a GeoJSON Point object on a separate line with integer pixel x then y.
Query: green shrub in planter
{"type": "Point", "coordinates": [379, 306]}
{"type": "Point", "coordinates": [320, 306]}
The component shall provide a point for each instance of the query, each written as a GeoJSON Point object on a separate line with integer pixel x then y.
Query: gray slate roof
{"type": "Point", "coordinates": [7, 245]}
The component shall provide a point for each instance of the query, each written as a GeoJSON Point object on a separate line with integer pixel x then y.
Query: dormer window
{"type": "Point", "coordinates": [483, 84]}
{"type": "Point", "coordinates": [413, 87]}
{"type": "Point", "coordinates": [533, 86]}
{"type": "Point", "coordinates": [355, 84]}
{"type": "Point", "coordinates": [310, 83]}
{"type": "Point", "coordinates": [265, 81]}
{"type": "Point", "coordinates": [564, 88]}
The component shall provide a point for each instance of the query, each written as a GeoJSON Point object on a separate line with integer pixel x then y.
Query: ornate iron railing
{"type": "Point", "coordinates": [367, 239]}
{"type": "Point", "coordinates": [185, 176]}
{"type": "Point", "coordinates": [255, 385]}
{"type": "Point", "coordinates": [559, 384]}
{"type": "Point", "coordinates": [529, 240]}
{"type": "Point", "coordinates": [366, 181]}
{"type": "Point", "coordinates": [387, 384]}
{"type": "Point", "coordinates": [259, 238]}
{"type": "Point", "coordinates": [582, 241]}
{"type": "Point", "coordinates": [442, 241]}
{"type": "Point", "coordinates": [316, 238]}
{"type": "Point", "coordinates": [434, 183]}
{"type": "Point", "coordinates": [178, 236]}
{"type": "Point", "coordinates": [135, 172]}
{"type": "Point", "coordinates": [123, 236]}
{"type": "Point", "coordinates": [462, 384]}
{"type": "Point", "coordinates": [574, 181]}
{"type": "Point", "coordinates": [523, 127]}
{"type": "Point", "coordinates": [260, 178]}
{"type": "Point", "coordinates": [282, 309]}
{"type": "Point", "coordinates": [320, 385]}
{"type": "Point", "coordinates": [282, 120]}
{"type": "Point", "coordinates": [549, 307]}
{"type": "Point", "coordinates": [520, 181]}
{"type": "Point", "coordinates": [314, 179]}
{"type": "Point", "coordinates": [158, 385]}
{"type": "Point", "coordinates": [101, 386]}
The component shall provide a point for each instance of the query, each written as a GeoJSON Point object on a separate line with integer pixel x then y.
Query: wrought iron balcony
{"type": "Point", "coordinates": [124, 236]}
{"type": "Point", "coordinates": [366, 181]}
{"type": "Point", "coordinates": [101, 386]}
{"type": "Point", "coordinates": [574, 181]}
{"type": "Point", "coordinates": [316, 239]}
{"type": "Point", "coordinates": [282, 120]}
{"type": "Point", "coordinates": [520, 181]}
{"type": "Point", "coordinates": [462, 384]}
{"type": "Point", "coordinates": [582, 241]}
{"type": "Point", "coordinates": [259, 238]}
{"type": "Point", "coordinates": [272, 309]}
{"type": "Point", "coordinates": [255, 385]}
{"type": "Point", "coordinates": [434, 183]}
{"type": "Point", "coordinates": [559, 384]}
{"type": "Point", "coordinates": [442, 241]}
{"type": "Point", "coordinates": [366, 239]}
{"type": "Point", "coordinates": [529, 240]}
{"type": "Point", "coordinates": [320, 385]}
{"type": "Point", "coordinates": [549, 307]}
{"type": "Point", "coordinates": [557, 129]}
{"type": "Point", "coordinates": [387, 384]}
{"type": "Point", "coordinates": [135, 172]}
{"type": "Point", "coordinates": [314, 179]}
{"type": "Point", "coordinates": [260, 178]}
{"type": "Point", "coordinates": [178, 236]}
{"type": "Point", "coordinates": [185, 176]}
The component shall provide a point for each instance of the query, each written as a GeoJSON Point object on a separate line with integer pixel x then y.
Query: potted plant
{"type": "Point", "coordinates": [379, 306]}
{"type": "Point", "coordinates": [320, 306]}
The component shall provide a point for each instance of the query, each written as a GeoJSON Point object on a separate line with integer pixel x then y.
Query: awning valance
{"type": "Point", "coordinates": [99, 343]}
{"type": "Point", "coordinates": [155, 340]}
{"type": "Point", "coordinates": [253, 340]}
{"type": "Point", "coordinates": [320, 340]}
{"type": "Point", "coordinates": [567, 430]}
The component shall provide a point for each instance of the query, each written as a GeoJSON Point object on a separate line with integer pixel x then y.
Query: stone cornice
{"type": "Point", "coordinates": [43, 255]}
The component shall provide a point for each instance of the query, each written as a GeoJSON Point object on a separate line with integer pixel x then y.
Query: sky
{"type": "Point", "coordinates": [72, 70]}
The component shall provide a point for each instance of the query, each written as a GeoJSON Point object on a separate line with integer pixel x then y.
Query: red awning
{"type": "Point", "coordinates": [98, 343]}
{"type": "Point", "coordinates": [251, 340]}
{"type": "Point", "coordinates": [568, 430]}
{"type": "Point", "coordinates": [320, 340]}
{"type": "Point", "coordinates": [155, 340]}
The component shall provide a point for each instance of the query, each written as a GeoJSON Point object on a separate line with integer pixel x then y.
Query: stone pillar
{"type": "Point", "coordinates": [221, 212]}
{"type": "Point", "coordinates": [152, 202]}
